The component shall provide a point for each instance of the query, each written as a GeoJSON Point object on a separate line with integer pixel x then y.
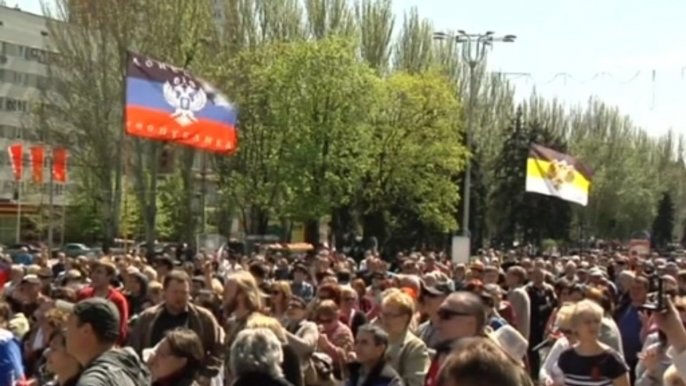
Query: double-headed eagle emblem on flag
{"type": "Point", "coordinates": [559, 173]}
{"type": "Point", "coordinates": [186, 97]}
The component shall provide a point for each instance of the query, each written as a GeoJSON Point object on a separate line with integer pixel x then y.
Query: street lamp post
{"type": "Point", "coordinates": [473, 55]}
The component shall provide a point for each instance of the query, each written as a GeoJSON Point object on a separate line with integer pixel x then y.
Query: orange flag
{"type": "Point", "coordinates": [59, 164]}
{"type": "Point", "coordinates": [16, 152]}
{"type": "Point", "coordinates": [37, 160]}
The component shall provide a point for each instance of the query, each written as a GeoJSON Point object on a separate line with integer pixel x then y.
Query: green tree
{"type": "Point", "coordinates": [544, 217]}
{"type": "Point", "coordinates": [526, 217]}
{"type": "Point", "coordinates": [416, 153]}
{"type": "Point", "coordinates": [663, 225]}
{"type": "Point", "coordinates": [82, 110]}
{"type": "Point", "coordinates": [510, 180]}
{"type": "Point", "coordinates": [329, 93]}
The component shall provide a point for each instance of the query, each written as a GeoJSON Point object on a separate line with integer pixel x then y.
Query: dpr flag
{"type": "Point", "coordinates": [37, 160]}
{"type": "Point", "coordinates": [167, 103]}
{"type": "Point", "coordinates": [556, 174]}
{"type": "Point", "coordinates": [16, 153]}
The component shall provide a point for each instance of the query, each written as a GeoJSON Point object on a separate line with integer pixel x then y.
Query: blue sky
{"type": "Point", "coordinates": [609, 49]}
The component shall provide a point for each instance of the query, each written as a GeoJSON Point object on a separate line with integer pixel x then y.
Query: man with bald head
{"type": "Point", "coordinates": [461, 315]}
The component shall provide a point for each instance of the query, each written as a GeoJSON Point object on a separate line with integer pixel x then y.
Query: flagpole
{"type": "Point", "coordinates": [51, 202]}
{"type": "Point", "coordinates": [18, 182]}
{"type": "Point", "coordinates": [64, 214]}
{"type": "Point", "coordinates": [203, 191]}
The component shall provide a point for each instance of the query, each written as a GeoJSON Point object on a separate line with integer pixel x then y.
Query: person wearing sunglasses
{"type": "Point", "coordinates": [280, 296]}
{"type": "Point", "coordinates": [302, 335]}
{"type": "Point", "coordinates": [406, 353]}
{"type": "Point", "coordinates": [461, 315]}
{"type": "Point", "coordinates": [335, 338]}
{"type": "Point", "coordinates": [430, 299]}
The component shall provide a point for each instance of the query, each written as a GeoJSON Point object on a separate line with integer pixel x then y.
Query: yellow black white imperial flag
{"type": "Point", "coordinates": [556, 174]}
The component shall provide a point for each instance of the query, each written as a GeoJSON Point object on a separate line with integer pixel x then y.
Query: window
{"type": "Point", "coordinates": [59, 189]}
{"type": "Point", "coordinates": [11, 104]}
{"type": "Point", "coordinates": [10, 132]}
{"type": "Point", "coordinates": [28, 53]}
{"type": "Point", "coordinates": [24, 79]}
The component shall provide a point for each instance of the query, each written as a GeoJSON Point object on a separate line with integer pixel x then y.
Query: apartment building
{"type": "Point", "coordinates": [23, 58]}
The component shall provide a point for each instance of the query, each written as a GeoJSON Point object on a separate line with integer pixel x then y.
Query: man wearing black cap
{"type": "Point", "coordinates": [300, 287]}
{"type": "Point", "coordinates": [92, 334]}
{"type": "Point", "coordinates": [430, 299]}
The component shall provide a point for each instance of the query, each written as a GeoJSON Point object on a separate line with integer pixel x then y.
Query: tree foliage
{"type": "Point", "coordinates": [663, 226]}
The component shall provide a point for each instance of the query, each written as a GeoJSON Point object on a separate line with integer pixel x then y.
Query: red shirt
{"type": "Point", "coordinates": [118, 299]}
{"type": "Point", "coordinates": [432, 374]}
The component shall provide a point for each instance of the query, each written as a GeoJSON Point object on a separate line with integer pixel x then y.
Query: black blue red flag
{"type": "Point", "coordinates": [167, 103]}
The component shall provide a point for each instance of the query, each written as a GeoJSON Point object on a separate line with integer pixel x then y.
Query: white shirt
{"type": "Point", "coordinates": [550, 370]}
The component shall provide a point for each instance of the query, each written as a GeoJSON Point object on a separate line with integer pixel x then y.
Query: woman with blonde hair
{"type": "Point", "coordinates": [550, 373]}
{"type": "Point", "coordinates": [291, 362]}
{"type": "Point", "coordinates": [407, 354]}
{"type": "Point", "coordinates": [280, 296]}
{"type": "Point", "coordinates": [590, 362]}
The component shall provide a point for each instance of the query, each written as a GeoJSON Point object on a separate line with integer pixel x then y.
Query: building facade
{"type": "Point", "coordinates": [23, 74]}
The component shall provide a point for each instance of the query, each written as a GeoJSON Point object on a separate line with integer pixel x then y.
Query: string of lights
{"type": "Point", "coordinates": [567, 78]}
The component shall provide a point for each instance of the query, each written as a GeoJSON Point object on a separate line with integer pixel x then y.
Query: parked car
{"type": "Point", "coordinates": [77, 249]}
{"type": "Point", "coordinates": [14, 249]}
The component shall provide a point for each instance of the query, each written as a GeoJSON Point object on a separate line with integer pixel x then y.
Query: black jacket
{"type": "Point", "coordinates": [291, 366]}
{"type": "Point", "coordinates": [115, 367]}
{"type": "Point", "coordinates": [380, 375]}
{"type": "Point", "coordinates": [259, 379]}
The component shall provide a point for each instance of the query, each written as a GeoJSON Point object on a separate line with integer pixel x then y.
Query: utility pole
{"type": "Point", "coordinates": [473, 54]}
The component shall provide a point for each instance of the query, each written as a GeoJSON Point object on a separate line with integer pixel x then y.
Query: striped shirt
{"type": "Point", "coordinates": [595, 370]}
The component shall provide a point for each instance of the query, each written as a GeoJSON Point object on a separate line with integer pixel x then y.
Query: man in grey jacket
{"type": "Point", "coordinates": [92, 334]}
{"type": "Point", "coordinates": [519, 298]}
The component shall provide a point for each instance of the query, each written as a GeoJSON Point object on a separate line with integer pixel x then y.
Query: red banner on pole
{"type": "Point", "coordinates": [16, 153]}
{"type": "Point", "coordinates": [59, 164]}
{"type": "Point", "coordinates": [37, 160]}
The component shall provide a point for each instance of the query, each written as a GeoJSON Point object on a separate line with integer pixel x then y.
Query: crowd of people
{"type": "Point", "coordinates": [324, 319]}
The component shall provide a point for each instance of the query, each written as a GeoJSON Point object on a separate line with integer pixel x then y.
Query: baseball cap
{"type": "Point", "coordinates": [100, 313]}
